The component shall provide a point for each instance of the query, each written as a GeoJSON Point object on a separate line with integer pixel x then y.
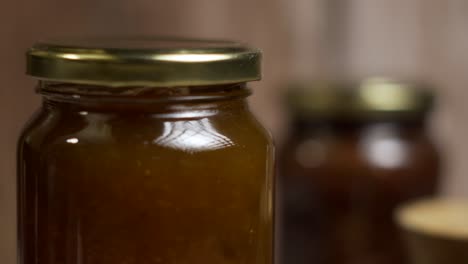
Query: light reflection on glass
{"type": "Point", "coordinates": [187, 114]}
{"type": "Point", "coordinates": [383, 148]}
{"type": "Point", "coordinates": [192, 136]}
{"type": "Point", "coordinates": [97, 128]}
{"type": "Point", "coordinates": [72, 140]}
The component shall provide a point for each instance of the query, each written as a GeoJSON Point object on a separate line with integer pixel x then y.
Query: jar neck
{"type": "Point", "coordinates": [151, 99]}
{"type": "Point", "coordinates": [303, 126]}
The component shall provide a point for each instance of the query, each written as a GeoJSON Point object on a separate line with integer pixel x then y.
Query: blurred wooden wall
{"type": "Point", "coordinates": [425, 38]}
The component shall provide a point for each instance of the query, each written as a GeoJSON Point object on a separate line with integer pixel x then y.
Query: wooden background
{"type": "Point", "coordinates": [300, 39]}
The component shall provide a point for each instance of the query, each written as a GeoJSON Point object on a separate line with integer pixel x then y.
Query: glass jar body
{"type": "Point", "coordinates": [156, 177]}
{"type": "Point", "coordinates": [339, 183]}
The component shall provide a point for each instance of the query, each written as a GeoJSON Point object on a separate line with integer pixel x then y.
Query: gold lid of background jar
{"type": "Point", "coordinates": [373, 97]}
{"type": "Point", "coordinates": [143, 62]}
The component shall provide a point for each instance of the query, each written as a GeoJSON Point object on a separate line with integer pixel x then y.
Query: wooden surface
{"type": "Point", "coordinates": [425, 38]}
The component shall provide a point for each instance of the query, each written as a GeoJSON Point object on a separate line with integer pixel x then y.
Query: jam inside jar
{"type": "Point", "coordinates": [144, 174]}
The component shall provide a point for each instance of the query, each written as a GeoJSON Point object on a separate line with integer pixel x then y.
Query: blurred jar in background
{"type": "Point", "coordinates": [354, 152]}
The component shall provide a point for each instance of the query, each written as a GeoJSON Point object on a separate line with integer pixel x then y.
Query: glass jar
{"type": "Point", "coordinates": [354, 153]}
{"type": "Point", "coordinates": [144, 151]}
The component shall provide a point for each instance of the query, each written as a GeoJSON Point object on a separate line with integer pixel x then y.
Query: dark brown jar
{"type": "Point", "coordinates": [354, 153]}
{"type": "Point", "coordinates": [144, 152]}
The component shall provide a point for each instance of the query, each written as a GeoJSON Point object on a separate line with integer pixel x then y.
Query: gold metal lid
{"type": "Point", "coordinates": [370, 97]}
{"type": "Point", "coordinates": [143, 62]}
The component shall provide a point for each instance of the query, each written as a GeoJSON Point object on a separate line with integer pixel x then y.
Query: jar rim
{"type": "Point", "coordinates": [143, 61]}
{"type": "Point", "coordinates": [79, 93]}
